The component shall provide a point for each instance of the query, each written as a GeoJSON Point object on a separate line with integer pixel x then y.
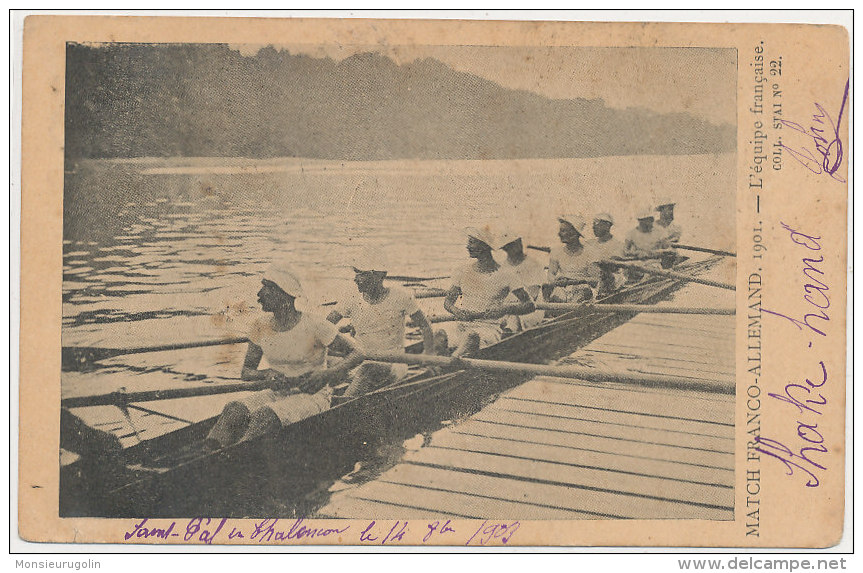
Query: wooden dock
{"type": "Point", "coordinates": [555, 448]}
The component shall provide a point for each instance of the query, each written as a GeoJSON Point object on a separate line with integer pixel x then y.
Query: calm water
{"type": "Point", "coordinates": [160, 239]}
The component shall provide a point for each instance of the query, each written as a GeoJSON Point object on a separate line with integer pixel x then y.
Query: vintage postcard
{"type": "Point", "coordinates": [379, 282]}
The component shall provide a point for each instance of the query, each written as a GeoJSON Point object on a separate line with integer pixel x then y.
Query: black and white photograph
{"type": "Point", "coordinates": [392, 282]}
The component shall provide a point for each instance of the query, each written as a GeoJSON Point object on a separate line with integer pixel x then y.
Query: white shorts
{"type": "Point", "coordinates": [489, 331]}
{"type": "Point", "coordinates": [289, 407]}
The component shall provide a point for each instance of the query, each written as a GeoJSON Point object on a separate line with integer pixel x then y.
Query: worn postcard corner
{"type": "Point", "coordinates": [433, 282]}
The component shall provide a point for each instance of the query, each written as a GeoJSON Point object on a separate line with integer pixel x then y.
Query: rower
{"type": "Point", "coordinates": [377, 314]}
{"type": "Point", "coordinates": [669, 230]}
{"type": "Point", "coordinates": [528, 274]}
{"type": "Point", "coordinates": [294, 344]}
{"type": "Point", "coordinates": [477, 295]}
{"type": "Point", "coordinates": [568, 279]}
{"type": "Point", "coordinates": [643, 241]}
{"type": "Point", "coordinates": [603, 246]}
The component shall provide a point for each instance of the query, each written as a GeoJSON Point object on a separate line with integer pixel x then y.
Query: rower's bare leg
{"type": "Point", "coordinates": [229, 427]}
{"type": "Point", "coordinates": [262, 421]}
{"type": "Point", "coordinates": [469, 346]}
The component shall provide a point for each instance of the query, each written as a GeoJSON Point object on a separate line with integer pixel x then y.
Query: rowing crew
{"type": "Point", "coordinates": [290, 347]}
{"type": "Point", "coordinates": [490, 299]}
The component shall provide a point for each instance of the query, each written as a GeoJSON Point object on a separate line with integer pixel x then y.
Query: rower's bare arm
{"type": "Point", "coordinates": [634, 251]}
{"type": "Point", "coordinates": [449, 304]}
{"type": "Point", "coordinates": [342, 345]}
{"type": "Point", "coordinates": [526, 301]}
{"type": "Point", "coordinates": [419, 319]}
{"type": "Point", "coordinates": [250, 364]}
{"type": "Point", "coordinates": [553, 270]}
{"type": "Point", "coordinates": [330, 376]}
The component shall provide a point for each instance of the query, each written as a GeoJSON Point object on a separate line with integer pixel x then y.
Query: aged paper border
{"type": "Point", "coordinates": [819, 47]}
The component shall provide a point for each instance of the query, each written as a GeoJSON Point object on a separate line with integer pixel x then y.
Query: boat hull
{"type": "Point", "coordinates": [244, 480]}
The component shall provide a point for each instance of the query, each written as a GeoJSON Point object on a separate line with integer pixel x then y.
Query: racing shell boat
{"type": "Point", "coordinates": [173, 476]}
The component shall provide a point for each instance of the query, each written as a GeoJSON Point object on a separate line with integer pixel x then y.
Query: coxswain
{"type": "Point", "coordinates": [377, 315]}
{"type": "Point", "coordinates": [568, 278]}
{"type": "Point", "coordinates": [528, 274]}
{"type": "Point", "coordinates": [476, 297]}
{"type": "Point", "coordinates": [669, 230]}
{"type": "Point", "coordinates": [294, 344]}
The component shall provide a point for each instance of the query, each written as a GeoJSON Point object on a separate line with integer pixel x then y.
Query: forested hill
{"type": "Point", "coordinates": [134, 100]}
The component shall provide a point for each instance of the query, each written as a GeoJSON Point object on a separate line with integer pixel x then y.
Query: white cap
{"type": "Point", "coordinates": [371, 259]}
{"type": "Point", "coordinates": [646, 213]}
{"type": "Point", "coordinates": [509, 237]}
{"type": "Point", "coordinates": [485, 235]}
{"type": "Point", "coordinates": [663, 201]}
{"type": "Point", "coordinates": [604, 217]}
{"type": "Point", "coordinates": [577, 221]}
{"type": "Point", "coordinates": [285, 278]}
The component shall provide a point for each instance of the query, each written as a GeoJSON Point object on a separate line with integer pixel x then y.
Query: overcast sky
{"type": "Point", "coordinates": [699, 81]}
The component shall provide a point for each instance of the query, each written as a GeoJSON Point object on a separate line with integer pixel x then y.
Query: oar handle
{"type": "Point", "coordinates": [575, 372]}
{"type": "Point", "coordinates": [670, 274]}
{"type": "Point", "coordinates": [539, 248]}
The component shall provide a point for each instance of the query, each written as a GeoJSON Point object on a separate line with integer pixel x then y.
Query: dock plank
{"type": "Point", "coordinates": [454, 503]}
{"type": "Point", "coordinates": [640, 332]}
{"type": "Point", "coordinates": [602, 444]}
{"type": "Point", "coordinates": [597, 479]}
{"type": "Point", "coordinates": [603, 428]}
{"type": "Point", "coordinates": [574, 456]}
{"type": "Point", "coordinates": [631, 354]}
{"type": "Point", "coordinates": [609, 505]}
{"type": "Point", "coordinates": [631, 399]}
{"type": "Point", "coordinates": [638, 351]}
{"type": "Point", "coordinates": [635, 419]}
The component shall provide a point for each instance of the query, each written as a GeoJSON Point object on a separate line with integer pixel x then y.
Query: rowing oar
{"type": "Point", "coordinates": [548, 250]}
{"type": "Point", "coordinates": [578, 306]}
{"type": "Point", "coordinates": [641, 308]}
{"type": "Point", "coordinates": [119, 398]}
{"type": "Point", "coordinates": [673, 245]}
{"type": "Point", "coordinates": [75, 358]}
{"type": "Point", "coordinates": [577, 372]}
{"type": "Point", "coordinates": [410, 279]}
{"type": "Point", "coordinates": [703, 250]}
{"type": "Point", "coordinates": [669, 274]}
